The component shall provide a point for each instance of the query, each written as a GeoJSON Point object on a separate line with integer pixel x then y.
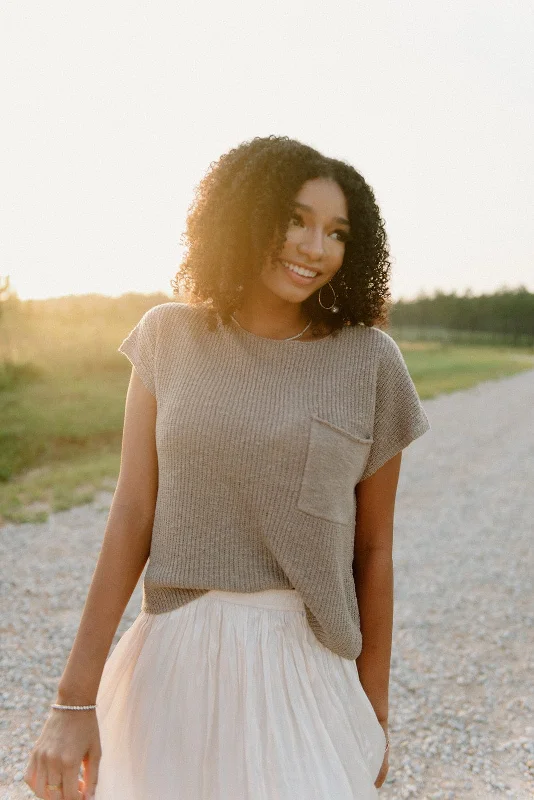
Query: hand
{"type": "Point", "coordinates": [68, 740]}
{"type": "Point", "coordinates": [385, 763]}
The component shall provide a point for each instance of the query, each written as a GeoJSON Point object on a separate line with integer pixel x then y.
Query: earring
{"type": "Point", "coordinates": [333, 308]}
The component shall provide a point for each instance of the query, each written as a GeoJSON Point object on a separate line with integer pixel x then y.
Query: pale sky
{"type": "Point", "coordinates": [113, 111]}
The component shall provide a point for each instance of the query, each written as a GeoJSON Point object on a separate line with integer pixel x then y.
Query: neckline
{"type": "Point", "coordinates": [276, 342]}
{"type": "Point", "coordinates": [284, 339]}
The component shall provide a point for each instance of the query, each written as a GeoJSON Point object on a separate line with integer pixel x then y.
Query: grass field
{"type": "Point", "coordinates": [61, 413]}
{"type": "Point", "coordinates": [437, 368]}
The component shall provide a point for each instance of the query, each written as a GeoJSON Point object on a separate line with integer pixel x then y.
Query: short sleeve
{"type": "Point", "coordinates": [399, 416]}
{"type": "Point", "coordinates": [140, 348]}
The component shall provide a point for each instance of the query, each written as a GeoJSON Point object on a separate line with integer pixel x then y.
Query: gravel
{"type": "Point", "coordinates": [461, 699]}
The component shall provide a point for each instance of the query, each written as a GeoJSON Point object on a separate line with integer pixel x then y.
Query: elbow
{"type": "Point", "coordinates": [134, 513]}
{"type": "Point", "coordinates": [378, 558]}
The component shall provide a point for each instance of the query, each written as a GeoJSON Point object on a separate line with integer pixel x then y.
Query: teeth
{"type": "Point", "coordinates": [306, 273]}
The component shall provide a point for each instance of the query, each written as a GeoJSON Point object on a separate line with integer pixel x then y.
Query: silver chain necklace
{"type": "Point", "coordinates": [288, 339]}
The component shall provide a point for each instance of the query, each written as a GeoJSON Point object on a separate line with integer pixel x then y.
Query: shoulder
{"type": "Point", "coordinates": [375, 345]}
{"type": "Point", "coordinates": [167, 318]}
{"type": "Point", "coordinates": [381, 341]}
{"type": "Point", "coordinates": [160, 313]}
{"type": "Point", "coordinates": [388, 352]}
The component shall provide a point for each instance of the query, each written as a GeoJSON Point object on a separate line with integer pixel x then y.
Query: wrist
{"type": "Point", "coordinates": [75, 697]}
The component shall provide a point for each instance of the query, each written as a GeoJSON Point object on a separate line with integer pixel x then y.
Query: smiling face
{"type": "Point", "coordinates": [315, 242]}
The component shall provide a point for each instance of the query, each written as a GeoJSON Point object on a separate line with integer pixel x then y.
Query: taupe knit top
{"type": "Point", "coordinates": [260, 445]}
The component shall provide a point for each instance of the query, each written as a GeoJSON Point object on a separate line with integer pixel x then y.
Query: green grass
{"type": "Point", "coordinates": [441, 368]}
{"type": "Point", "coordinates": [60, 440]}
{"type": "Point", "coordinates": [61, 424]}
{"type": "Point", "coordinates": [57, 486]}
{"type": "Point", "coordinates": [60, 417]}
{"type": "Point", "coordinates": [428, 333]}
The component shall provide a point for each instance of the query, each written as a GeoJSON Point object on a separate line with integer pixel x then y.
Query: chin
{"type": "Point", "coordinates": [292, 296]}
{"type": "Point", "coordinates": [282, 289]}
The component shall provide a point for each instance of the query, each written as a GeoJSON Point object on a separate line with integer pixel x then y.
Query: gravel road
{"type": "Point", "coordinates": [462, 699]}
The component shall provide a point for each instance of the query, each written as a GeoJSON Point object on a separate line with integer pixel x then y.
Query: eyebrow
{"type": "Point", "coordinates": [341, 220]}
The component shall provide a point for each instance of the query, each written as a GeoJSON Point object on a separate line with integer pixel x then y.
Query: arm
{"type": "Point", "coordinates": [373, 579]}
{"type": "Point", "coordinates": [70, 738]}
{"type": "Point", "coordinates": [124, 551]}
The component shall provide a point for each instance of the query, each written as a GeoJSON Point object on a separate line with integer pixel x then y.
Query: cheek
{"type": "Point", "coordinates": [293, 236]}
{"type": "Point", "coordinates": [336, 256]}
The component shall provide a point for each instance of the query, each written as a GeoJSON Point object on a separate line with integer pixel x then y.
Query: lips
{"type": "Point", "coordinates": [298, 273]}
{"type": "Point", "coordinates": [302, 268]}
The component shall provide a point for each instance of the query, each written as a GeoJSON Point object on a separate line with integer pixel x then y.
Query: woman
{"type": "Point", "coordinates": [262, 443]}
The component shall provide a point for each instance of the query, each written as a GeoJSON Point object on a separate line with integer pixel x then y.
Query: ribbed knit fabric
{"type": "Point", "coordinates": [260, 445]}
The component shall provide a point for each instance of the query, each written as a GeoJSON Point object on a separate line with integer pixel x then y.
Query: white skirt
{"type": "Point", "coordinates": [232, 697]}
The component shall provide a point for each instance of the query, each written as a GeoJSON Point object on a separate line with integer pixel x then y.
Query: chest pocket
{"type": "Point", "coordinates": [335, 461]}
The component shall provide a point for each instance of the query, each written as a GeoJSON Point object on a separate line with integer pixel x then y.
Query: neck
{"type": "Point", "coordinates": [271, 318]}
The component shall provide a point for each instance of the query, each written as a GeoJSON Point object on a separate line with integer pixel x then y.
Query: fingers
{"type": "Point", "coordinates": [59, 774]}
{"type": "Point", "coordinates": [36, 775]}
{"type": "Point", "coordinates": [70, 782]}
{"type": "Point", "coordinates": [40, 781]}
{"type": "Point", "coordinates": [90, 770]}
{"type": "Point", "coordinates": [54, 793]}
{"type": "Point", "coordinates": [29, 775]}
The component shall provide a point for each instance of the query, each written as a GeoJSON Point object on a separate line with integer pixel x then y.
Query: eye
{"type": "Point", "coordinates": [296, 219]}
{"type": "Point", "coordinates": [343, 236]}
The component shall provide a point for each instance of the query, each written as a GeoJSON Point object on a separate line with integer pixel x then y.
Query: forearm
{"type": "Point", "coordinates": [123, 555]}
{"type": "Point", "coordinates": [373, 578]}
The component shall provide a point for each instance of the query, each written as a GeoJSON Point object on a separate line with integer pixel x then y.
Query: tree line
{"type": "Point", "coordinates": [504, 316]}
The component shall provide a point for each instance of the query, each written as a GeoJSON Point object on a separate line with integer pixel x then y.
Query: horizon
{"type": "Point", "coordinates": [468, 293]}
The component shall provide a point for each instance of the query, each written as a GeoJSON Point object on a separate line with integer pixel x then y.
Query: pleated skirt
{"type": "Point", "coordinates": [232, 697]}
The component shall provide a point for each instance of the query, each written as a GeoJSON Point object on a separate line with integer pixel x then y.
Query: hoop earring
{"type": "Point", "coordinates": [333, 308]}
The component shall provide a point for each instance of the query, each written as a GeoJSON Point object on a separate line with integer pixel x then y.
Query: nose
{"type": "Point", "coordinates": [311, 244]}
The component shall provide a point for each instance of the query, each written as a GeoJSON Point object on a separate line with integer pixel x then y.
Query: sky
{"type": "Point", "coordinates": [112, 113]}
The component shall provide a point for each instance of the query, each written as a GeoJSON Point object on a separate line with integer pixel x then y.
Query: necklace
{"type": "Point", "coordinates": [288, 339]}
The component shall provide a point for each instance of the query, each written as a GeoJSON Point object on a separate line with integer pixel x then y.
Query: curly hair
{"type": "Point", "coordinates": [239, 217]}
